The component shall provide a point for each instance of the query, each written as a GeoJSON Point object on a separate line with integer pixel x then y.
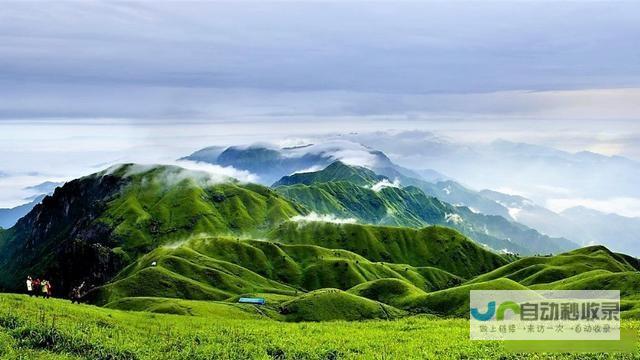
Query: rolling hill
{"type": "Point", "coordinates": [334, 304]}
{"type": "Point", "coordinates": [298, 278]}
{"type": "Point", "coordinates": [394, 292]}
{"type": "Point", "coordinates": [433, 246]}
{"type": "Point", "coordinates": [537, 270]}
{"type": "Point", "coordinates": [219, 268]}
{"type": "Point", "coordinates": [455, 301]}
{"type": "Point", "coordinates": [593, 268]}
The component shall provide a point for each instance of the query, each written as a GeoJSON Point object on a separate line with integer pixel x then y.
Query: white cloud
{"type": "Point", "coordinates": [453, 218]}
{"type": "Point", "coordinates": [514, 212]}
{"type": "Point", "coordinates": [330, 218]}
{"type": "Point", "coordinates": [349, 152]}
{"type": "Point", "coordinates": [178, 243]}
{"type": "Point", "coordinates": [625, 206]}
{"type": "Point", "coordinates": [218, 171]}
{"type": "Point", "coordinates": [207, 174]}
{"type": "Point", "coordinates": [384, 183]}
{"type": "Point", "coordinates": [510, 191]}
{"type": "Point", "coordinates": [309, 169]}
{"type": "Point", "coordinates": [505, 251]}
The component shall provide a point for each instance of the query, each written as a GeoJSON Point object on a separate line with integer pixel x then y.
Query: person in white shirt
{"type": "Point", "coordinates": [29, 286]}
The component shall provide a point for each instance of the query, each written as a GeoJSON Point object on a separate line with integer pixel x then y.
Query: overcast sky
{"type": "Point", "coordinates": [151, 59]}
{"type": "Point", "coordinates": [86, 83]}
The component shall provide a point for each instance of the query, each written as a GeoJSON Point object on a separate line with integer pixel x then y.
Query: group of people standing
{"type": "Point", "coordinates": [39, 287]}
{"type": "Point", "coordinates": [44, 288]}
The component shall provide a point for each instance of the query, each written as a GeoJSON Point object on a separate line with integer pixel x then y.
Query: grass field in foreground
{"type": "Point", "coordinates": [55, 329]}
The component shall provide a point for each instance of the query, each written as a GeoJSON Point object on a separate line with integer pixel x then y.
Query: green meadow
{"type": "Point", "coordinates": [34, 328]}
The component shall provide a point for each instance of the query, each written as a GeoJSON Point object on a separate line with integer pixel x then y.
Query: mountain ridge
{"type": "Point", "coordinates": [331, 191]}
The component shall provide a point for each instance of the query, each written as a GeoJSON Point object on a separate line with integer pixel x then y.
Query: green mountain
{"type": "Point", "coordinates": [537, 270]}
{"type": "Point", "coordinates": [394, 292]}
{"type": "Point", "coordinates": [454, 193]}
{"type": "Point", "coordinates": [218, 268]}
{"type": "Point", "coordinates": [627, 282]}
{"type": "Point", "coordinates": [334, 304]}
{"type": "Point", "coordinates": [355, 192]}
{"type": "Point", "coordinates": [455, 301]}
{"type": "Point", "coordinates": [434, 246]}
{"type": "Point", "coordinates": [583, 269]}
{"type": "Point", "coordinates": [336, 171]}
{"type": "Point", "coordinates": [106, 220]}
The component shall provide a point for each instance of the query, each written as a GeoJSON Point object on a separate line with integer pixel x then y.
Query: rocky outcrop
{"type": "Point", "coordinates": [60, 239]}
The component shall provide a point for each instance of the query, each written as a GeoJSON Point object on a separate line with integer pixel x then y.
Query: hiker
{"type": "Point", "coordinates": [43, 288]}
{"type": "Point", "coordinates": [49, 289]}
{"type": "Point", "coordinates": [76, 293]}
{"type": "Point", "coordinates": [29, 286]}
{"type": "Point", "coordinates": [36, 287]}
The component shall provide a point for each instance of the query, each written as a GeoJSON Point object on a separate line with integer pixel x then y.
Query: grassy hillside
{"type": "Point", "coordinates": [333, 304]}
{"type": "Point", "coordinates": [55, 329]}
{"type": "Point", "coordinates": [165, 204]}
{"type": "Point", "coordinates": [455, 301]}
{"type": "Point", "coordinates": [212, 310]}
{"type": "Point", "coordinates": [223, 268]}
{"type": "Point", "coordinates": [337, 171]}
{"type": "Point", "coordinates": [394, 292]}
{"type": "Point", "coordinates": [627, 282]}
{"type": "Point", "coordinates": [92, 227]}
{"type": "Point", "coordinates": [541, 270]}
{"type": "Point", "coordinates": [218, 268]}
{"type": "Point", "coordinates": [348, 200]}
{"type": "Point", "coordinates": [449, 302]}
{"type": "Point", "coordinates": [434, 246]}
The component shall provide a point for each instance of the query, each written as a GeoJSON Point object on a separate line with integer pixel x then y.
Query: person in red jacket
{"type": "Point", "coordinates": [36, 287]}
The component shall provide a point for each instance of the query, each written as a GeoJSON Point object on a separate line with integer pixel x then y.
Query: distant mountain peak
{"type": "Point", "coordinates": [44, 187]}
{"type": "Point", "coordinates": [270, 162]}
{"type": "Point", "coordinates": [336, 171]}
